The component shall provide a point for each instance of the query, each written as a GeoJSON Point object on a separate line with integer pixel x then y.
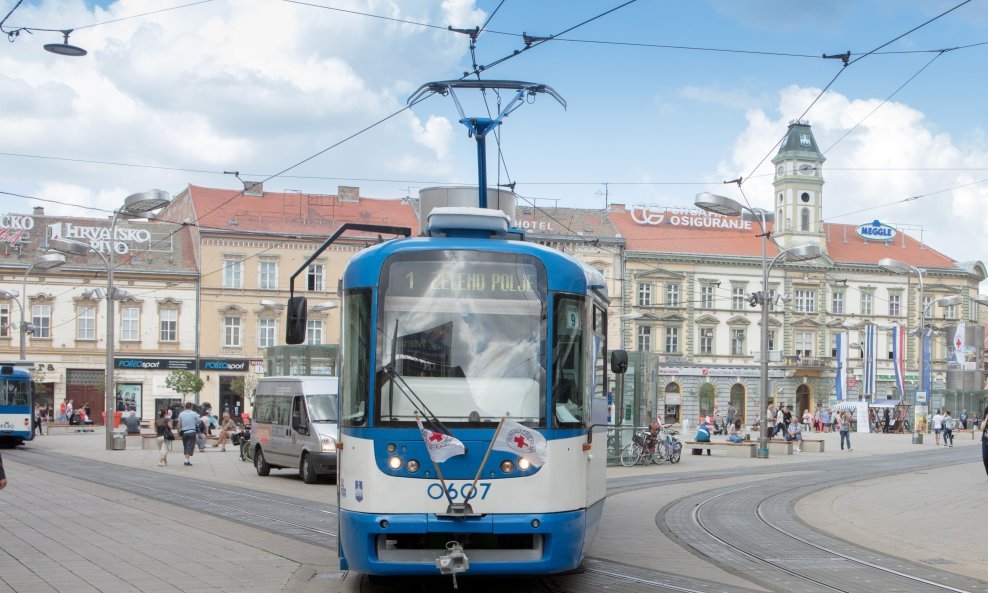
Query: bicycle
{"type": "Point", "coordinates": [644, 448]}
{"type": "Point", "coordinates": [669, 446]}
{"type": "Point", "coordinates": [242, 438]}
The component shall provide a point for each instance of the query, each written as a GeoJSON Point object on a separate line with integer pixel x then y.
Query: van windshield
{"type": "Point", "coordinates": [464, 333]}
{"type": "Point", "coordinates": [322, 407]}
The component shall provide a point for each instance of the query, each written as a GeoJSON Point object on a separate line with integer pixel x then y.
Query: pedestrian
{"type": "Point", "coordinates": [730, 414]}
{"type": "Point", "coordinates": [837, 417]}
{"type": "Point", "coordinates": [825, 420]}
{"type": "Point", "coordinates": [187, 422]}
{"type": "Point", "coordinates": [780, 421]}
{"type": "Point", "coordinates": [165, 435]}
{"type": "Point", "coordinates": [770, 421]}
{"type": "Point", "coordinates": [61, 412]}
{"type": "Point", "coordinates": [984, 444]}
{"type": "Point", "coordinates": [702, 432]}
{"type": "Point", "coordinates": [844, 426]}
{"type": "Point", "coordinates": [227, 428]}
{"type": "Point", "coordinates": [3, 475]}
{"type": "Point", "coordinates": [963, 419]}
{"type": "Point", "coordinates": [133, 423]}
{"type": "Point", "coordinates": [937, 426]}
{"type": "Point", "coordinates": [69, 412]}
{"type": "Point", "coordinates": [201, 427]}
{"type": "Point", "coordinates": [807, 420]}
{"type": "Point", "coordinates": [948, 429]}
{"type": "Point", "coordinates": [886, 420]}
{"type": "Point", "coordinates": [734, 432]}
{"type": "Point", "coordinates": [795, 435]}
{"type": "Point", "coordinates": [36, 424]}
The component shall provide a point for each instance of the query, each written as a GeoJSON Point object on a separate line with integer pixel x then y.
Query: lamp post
{"type": "Point", "coordinates": [139, 205]}
{"type": "Point", "coordinates": [48, 261]}
{"type": "Point", "coordinates": [899, 267]}
{"type": "Point", "coordinates": [729, 207]}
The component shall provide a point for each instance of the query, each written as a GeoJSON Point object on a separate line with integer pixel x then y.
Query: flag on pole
{"type": "Point", "coordinates": [898, 351]}
{"type": "Point", "coordinates": [522, 441]}
{"type": "Point", "coordinates": [441, 446]}
{"type": "Point", "coordinates": [871, 360]}
{"type": "Point", "coordinates": [841, 378]}
{"type": "Point", "coordinates": [925, 371]}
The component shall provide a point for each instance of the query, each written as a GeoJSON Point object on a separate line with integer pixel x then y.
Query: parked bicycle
{"type": "Point", "coordinates": [669, 445]}
{"type": "Point", "coordinates": [242, 439]}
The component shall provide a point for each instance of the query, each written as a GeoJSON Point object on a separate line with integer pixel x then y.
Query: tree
{"type": "Point", "coordinates": [244, 386]}
{"type": "Point", "coordinates": [184, 382]}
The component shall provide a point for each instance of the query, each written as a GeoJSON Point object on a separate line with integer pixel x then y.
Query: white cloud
{"type": "Point", "coordinates": [893, 155]}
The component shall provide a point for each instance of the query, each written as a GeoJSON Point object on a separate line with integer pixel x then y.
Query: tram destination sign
{"type": "Point", "coordinates": [475, 280]}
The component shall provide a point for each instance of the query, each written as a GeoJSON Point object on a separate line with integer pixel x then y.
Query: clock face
{"type": "Point", "coordinates": [805, 169]}
{"type": "Point", "coordinates": [805, 197]}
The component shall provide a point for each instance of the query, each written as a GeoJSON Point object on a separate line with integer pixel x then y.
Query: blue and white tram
{"type": "Point", "coordinates": [16, 406]}
{"type": "Point", "coordinates": [464, 327]}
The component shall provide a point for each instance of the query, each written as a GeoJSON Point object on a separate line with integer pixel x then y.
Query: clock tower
{"type": "Point", "coordinates": [798, 185]}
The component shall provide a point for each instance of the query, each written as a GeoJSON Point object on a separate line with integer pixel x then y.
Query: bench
{"type": "Point", "coordinates": [780, 447]}
{"type": "Point", "coordinates": [975, 432]}
{"type": "Point", "coordinates": [812, 445]}
{"type": "Point", "coordinates": [65, 427]}
{"type": "Point", "coordinates": [745, 449]}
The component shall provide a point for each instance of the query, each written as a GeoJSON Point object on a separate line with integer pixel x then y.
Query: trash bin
{"type": "Point", "coordinates": [119, 441]}
{"type": "Point", "coordinates": [917, 438]}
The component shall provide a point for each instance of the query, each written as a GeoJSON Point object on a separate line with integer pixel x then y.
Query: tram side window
{"type": "Point", "coordinates": [355, 376]}
{"type": "Point", "coordinates": [568, 360]}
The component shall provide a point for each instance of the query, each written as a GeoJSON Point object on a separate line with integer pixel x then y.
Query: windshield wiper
{"type": "Point", "coordinates": [392, 370]}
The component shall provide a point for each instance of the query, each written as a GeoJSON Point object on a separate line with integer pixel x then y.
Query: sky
{"type": "Point", "coordinates": [665, 99]}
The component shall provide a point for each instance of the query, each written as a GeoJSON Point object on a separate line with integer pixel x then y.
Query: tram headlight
{"type": "Point", "coordinates": [507, 466]}
{"type": "Point", "coordinates": [412, 466]}
{"type": "Point", "coordinates": [394, 462]}
{"type": "Point", "coordinates": [328, 444]}
{"type": "Point", "coordinates": [391, 448]}
{"type": "Point", "coordinates": [523, 464]}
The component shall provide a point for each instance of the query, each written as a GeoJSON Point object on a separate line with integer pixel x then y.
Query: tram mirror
{"type": "Point", "coordinates": [297, 315]}
{"type": "Point", "coordinates": [619, 361]}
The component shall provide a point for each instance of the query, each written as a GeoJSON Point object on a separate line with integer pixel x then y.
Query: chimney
{"type": "Point", "coordinates": [39, 210]}
{"type": "Point", "coordinates": [613, 207]}
{"type": "Point", "coordinates": [348, 193]}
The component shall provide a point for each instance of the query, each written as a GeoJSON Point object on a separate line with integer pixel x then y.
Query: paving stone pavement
{"type": "Point", "coordinates": [62, 534]}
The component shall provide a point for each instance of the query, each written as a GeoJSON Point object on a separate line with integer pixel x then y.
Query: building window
{"type": "Point", "coordinates": [130, 324]}
{"type": "Point", "coordinates": [314, 279]}
{"type": "Point", "coordinates": [672, 295]}
{"type": "Point", "coordinates": [267, 329]}
{"type": "Point", "coordinates": [894, 300]}
{"type": "Point", "coordinates": [706, 297]}
{"type": "Point", "coordinates": [737, 298]}
{"type": "Point", "coordinates": [644, 295]}
{"type": "Point", "coordinates": [737, 342]}
{"type": "Point", "coordinates": [706, 340]}
{"type": "Point", "coordinates": [169, 325]}
{"type": "Point", "coordinates": [805, 301]}
{"type": "Point", "coordinates": [804, 343]}
{"type": "Point", "coordinates": [233, 273]}
{"type": "Point", "coordinates": [867, 300]}
{"type": "Point", "coordinates": [232, 335]}
{"type": "Point", "coordinates": [644, 338]}
{"type": "Point", "coordinates": [950, 312]}
{"type": "Point", "coordinates": [804, 219]}
{"type": "Point", "coordinates": [85, 323]}
{"type": "Point", "coordinates": [837, 302]}
{"type": "Point", "coordinates": [927, 304]}
{"type": "Point", "coordinates": [672, 340]}
{"type": "Point", "coordinates": [4, 320]}
{"type": "Point", "coordinates": [267, 275]}
{"type": "Point", "coordinates": [313, 331]}
{"type": "Point", "coordinates": [771, 340]}
{"type": "Point", "coordinates": [41, 320]}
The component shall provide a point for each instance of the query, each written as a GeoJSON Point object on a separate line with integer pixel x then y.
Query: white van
{"type": "Point", "coordinates": [295, 426]}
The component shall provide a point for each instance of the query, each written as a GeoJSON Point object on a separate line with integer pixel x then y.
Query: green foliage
{"type": "Point", "coordinates": [184, 382]}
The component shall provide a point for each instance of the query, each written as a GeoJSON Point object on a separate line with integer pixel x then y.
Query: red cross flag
{"type": "Point", "coordinates": [522, 441]}
{"type": "Point", "coordinates": [441, 446]}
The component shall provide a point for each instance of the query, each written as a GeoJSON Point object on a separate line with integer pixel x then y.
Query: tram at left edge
{"type": "Point", "coordinates": [16, 405]}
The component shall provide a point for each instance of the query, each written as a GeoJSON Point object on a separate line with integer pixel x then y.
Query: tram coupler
{"type": "Point", "coordinates": [458, 510]}
{"type": "Point", "coordinates": [453, 562]}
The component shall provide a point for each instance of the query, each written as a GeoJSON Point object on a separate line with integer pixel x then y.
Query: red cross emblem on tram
{"type": "Point", "coordinates": [520, 441]}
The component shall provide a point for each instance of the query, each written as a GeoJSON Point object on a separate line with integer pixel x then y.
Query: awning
{"type": "Point", "coordinates": [847, 406]}
{"type": "Point", "coordinates": [886, 403]}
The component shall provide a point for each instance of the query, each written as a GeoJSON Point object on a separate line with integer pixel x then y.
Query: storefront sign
{"type": "Point", "coordinates": [98, 237]}
{"type": "Point", "coordinates": [718, 372]}
{"type": "Point", "coordinates": [538, 226]}
{"type": "Point", "coordinates": [155, 364]}
{"type": "Point", "coordinates": [875, 231]}
{"type": "Point", "coordinates": [13, 227]}
{"type": "Point", "coordinates": [910, 378]}
{"type": "Point", "coordinates": [687, 217]}
{"type": "Point", "coordinates": [223, 364]}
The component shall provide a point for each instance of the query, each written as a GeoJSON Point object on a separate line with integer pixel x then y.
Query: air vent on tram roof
{"type": "Point", "coordinates": [468, 222]}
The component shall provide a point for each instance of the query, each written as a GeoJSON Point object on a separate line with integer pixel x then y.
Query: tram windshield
{"type": "Point", "coordinates": [461, 333]}
{"type": "Point", "coordinates": [14, 392]}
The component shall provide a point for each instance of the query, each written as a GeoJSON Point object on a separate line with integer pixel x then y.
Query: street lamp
{"type": "Point", "coordinates": [48, 261]}
{"type": "Point", "coordinates": [899, 267]}
{"type": "Point", "coordinates": [729, 207]}
{"type": "Point", "coordinates": [139, 205]}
